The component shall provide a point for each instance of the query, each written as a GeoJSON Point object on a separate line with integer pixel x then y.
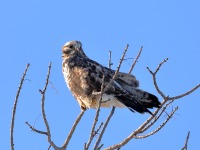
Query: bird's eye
{"type": "Point", "coordinates": [71, 46]}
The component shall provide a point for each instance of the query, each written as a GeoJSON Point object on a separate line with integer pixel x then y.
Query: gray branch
{"type": "Point", "coordinates": [15, 107]}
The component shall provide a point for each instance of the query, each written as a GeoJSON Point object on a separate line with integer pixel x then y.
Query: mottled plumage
{"type": "Point", "coordinates": [84, 79]}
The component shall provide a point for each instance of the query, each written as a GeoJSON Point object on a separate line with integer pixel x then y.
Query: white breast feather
{"type": "Point", "coordinates": [110, 100]}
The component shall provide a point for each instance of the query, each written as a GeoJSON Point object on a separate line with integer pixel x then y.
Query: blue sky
{"type": "Point", "coordinates": [34, 32]}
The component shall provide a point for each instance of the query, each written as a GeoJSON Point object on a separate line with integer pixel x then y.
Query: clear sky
{"type": "Point", "coordinates": [33, 31]}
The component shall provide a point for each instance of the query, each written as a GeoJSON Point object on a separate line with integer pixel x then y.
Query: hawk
{"type": "Point", "coordinates": [84, 79]}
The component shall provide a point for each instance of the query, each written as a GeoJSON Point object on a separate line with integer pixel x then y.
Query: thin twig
{"type": "Point", "coordinates": [100, 147]}
{"type": "Point", "coordinates": [43, 109]}
{"type": "Point", "coordinates": [72, 130]}
{"type": "Point", "coordinates": [148, 121]}
{"type": "Point", "coordinates": [49, 147]}
{"type": "Point", "coordinates": [118, 68]}
{"type": "Point", "coordinates": [113, 108]}
{"type": "Point", "coordinates": [135, 61]}
{"type": "Point", "coordinates": [98, 129]}
{"type": "Point", "coordinates": [160, 92]}
{"type": "Point", "coordinates": [134, 134]}
{"type": "Point", "coordinates": [159, 66]}
{"type": "Point", "coordinates": [154, 77]}
{"type": "Point", "coordinates": [43, 100]}
{"type": "Point", "coordinates": [185, 94]}
{"type": "Point", "coordinates": [186, 142]}
{"type": "Point", "coordinates": [156, 117]}
{"type": "Point", "coordinates": [120, 62]}
{"type": "Point", "coordinates": [87, 145]}
{"type": "Point", "coordinates": [160, 127]}
{"type": "Point", "coordinates": [35, 130]}
{"type": "Point", "coordinates": [15, 107]}
{"type": "Point", "coordinates": [103, 129]}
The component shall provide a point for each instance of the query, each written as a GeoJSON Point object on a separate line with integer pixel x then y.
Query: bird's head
{"type": "Point", "coordinates": [72, 48]}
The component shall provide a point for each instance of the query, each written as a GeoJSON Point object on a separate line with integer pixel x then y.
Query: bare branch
{"type": "Point", "coordinates": [118, 68]}
{"type": "Point", "coordinates": [43, 100]}
{"type": "Point", "coordinates": [120, 62]}
{"type": "Point", "coordinates": [186, 142]}
{"type": "Point", "coordinates": [104, 128]}
{"type": "Point", "coordinates": [43, 109]}
{"type": "Point", "coordinates": [42, 104]}
{"type": "Point", "coordinates": [92, 135]}
{"type": "Point", "coordinates": [159, 66]}
{"type": "Point", "coordinates": [135, 61]}
{"type": "Point", "coordinates": [154, 77]}
{"type": "Point", "coordinates": [72, 130]}
{"type": "Point", "coordinates": [185, 94]}
{"type": "Point", "coordinates": [48, 133]}
{"type": "Point", "coordinates": [97, 131]}
{"type": "Point", "coordinates": [99, 148]}
{"type": "Point", "coordinates": [156, 117]}
{"type": "Point", "coordinates": [134, 134]}
{"type": "Point", "coordinates": [49, 147]}
{"type": "Point", "coordinates": [143, 126]}
{"type": "Point", "coordinates": [160, 92]}
{"type": "Point", "coordinates": [35, 130]}
{"type": "Point", "coordinates": [15, 107]}
{"type": "Point", "coordinates": [160, 127]}
{"type": "Point", "coordinates": [113, 108]}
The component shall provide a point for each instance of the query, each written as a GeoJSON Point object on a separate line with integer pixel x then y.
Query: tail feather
{"type": "Point", "coordinates": [151, 102]}
{"type": "Point", "coordinates": [140, 105]}
{"type": "Point", "coordinates": [132, 104]}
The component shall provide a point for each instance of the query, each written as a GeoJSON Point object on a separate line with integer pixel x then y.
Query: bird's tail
{"type": "Point", "coordinates": [139, 101]}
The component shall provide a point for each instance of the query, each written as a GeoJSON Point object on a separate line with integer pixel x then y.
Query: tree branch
{"type": "Point", "coordinates": [48, 133]}
{"type": "Point", "coordinates": [135, 61]}
{"type": "Point", "coordinates": [185, 94]}
{"type": "Point", "coordinates": [160, 127]}
{"type": "Point", "coordinates": [43, 109]}
{"type": "Point", "coordinates": [118, 68]}
{"type": "Point", "coordinates": [43, 100]}
{"type": "Point", "coordinates": [186, 142]}
{"type": "Point", "coordinates": [35, 130]}
{"type": "Point", "coordinates": [104, 128]}
{"type": "Point", "coordinates": [156, 117]}
{"type": "Point", "coordinates": [154, 77]}
{"type": "Point", "coordinates": [15, 107]}
{"type": "Point", "coordinates": [72, 130]}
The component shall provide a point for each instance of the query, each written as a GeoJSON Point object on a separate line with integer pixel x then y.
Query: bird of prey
{"type": "Point", "coordinates": [84, 79]}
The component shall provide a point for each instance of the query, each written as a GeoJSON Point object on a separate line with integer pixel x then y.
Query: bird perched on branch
{"type": "Point", "coordinates": [84, 78]}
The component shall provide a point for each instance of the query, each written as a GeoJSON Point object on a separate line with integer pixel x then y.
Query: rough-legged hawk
{"type": "Point", "coordinates": [84, 79]}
